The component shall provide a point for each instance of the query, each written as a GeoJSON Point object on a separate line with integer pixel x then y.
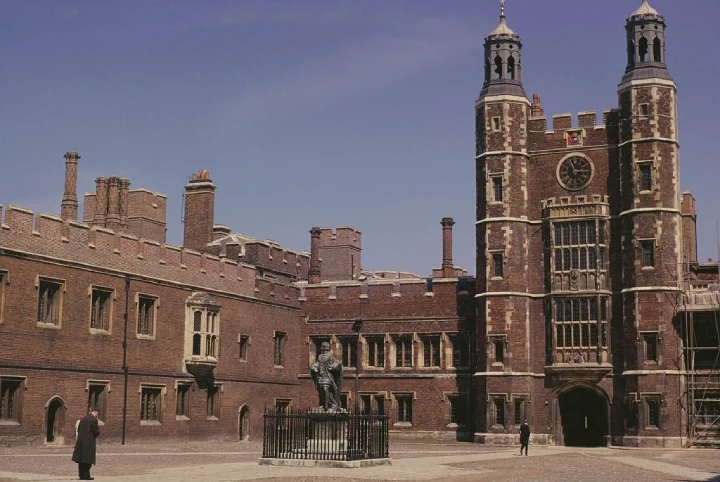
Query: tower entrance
{"type": "Point", "coordinates": [54, 421]}
{"type": "Point", "coordinates": [583, 415]}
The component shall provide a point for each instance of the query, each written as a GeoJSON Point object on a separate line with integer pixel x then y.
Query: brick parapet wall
{"type": "Point", "coordinates": [591, 133]}
{"type": "Point", "coordinates": [277, 259]}
{"type": "Point", "coordinates": [48, 236]}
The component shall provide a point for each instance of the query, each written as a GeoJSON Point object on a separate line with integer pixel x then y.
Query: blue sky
{"type": "Point", "coordinates": [317, 112]}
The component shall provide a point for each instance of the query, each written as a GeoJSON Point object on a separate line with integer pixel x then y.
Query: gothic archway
{"type": "Point", "coordinates": [54, 421]}
{"type": "Point", "coordinates": [581, 415]}
{"type": "Point", "coordinates": [244, 423]}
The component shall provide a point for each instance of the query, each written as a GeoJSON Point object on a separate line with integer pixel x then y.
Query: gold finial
{"type": "Point", "coordinates": [502, 8]}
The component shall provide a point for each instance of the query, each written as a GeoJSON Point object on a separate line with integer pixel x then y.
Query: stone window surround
{"type": "Point", "coordinates": [61, 291]}
{"type": "Point", "coordinates": [22, 386]}
{"type": "Point", "coordinates": [403, 395]}
{"type": "Point", "coordinates": [491, 177]}
{"type": "Point", "coordinates": [113, 296]}
{"type": "Point", "coordinates": [643, 338]}
{"type": "Point", "coordinates": [491, 263]}
{"type": "Point", "coordinates": [640, 244]}
{"type": "Point", "coordinates": [492, 399]}
{"type": "Point", "coordinates": [217, 401]}
{"type": "Point", "coordinates": [653, 175]}
{"type": "Point", "coordinates": [442, 357]}
{"type": "Point", "coordinates": [279, 341]}
{"type": "Point", "coordinates": [395, 337]}
{"type": "Point", "coordinates": [525, 398]}
{"type": "Point", "coordinates": [189, 385]}
{"type": "Point", "coordinates": [374, 396]}
{"type": "Point", "coordinates": [463, 337]}
{"type": "Point", "coordinates": [106, 390]}
{"type": "Point", "coordinates": [651, 397]}
{"type": "Point", "coordinates": [492, 340]}
{"type": "Point", "coordinates": [163, 391]}
{"type": "Point", "coordinates": [156, 307]}
{"type": "Point", "coordinates": [446, 398]}
{"type": "Point", "coordinates": [381, 339]}
{"type": "Point", "coordinates": [242, 338]}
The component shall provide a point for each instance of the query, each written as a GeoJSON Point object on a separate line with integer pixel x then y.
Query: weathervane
{"type": "Point", "coordinates": [502, 8]}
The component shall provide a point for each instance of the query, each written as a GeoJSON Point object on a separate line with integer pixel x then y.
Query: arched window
{"type": "Point", "coordinates": [487, 69]}
{"type": "Point", "coordinates": [657, 50]}
{"type": "Point", "coordinates": [643, 49]}
{"type": "Point", "coordinates": [511, 67]}
{"type": "Point", "coordinates": [498, 67]}
{"type": "Point", "coordinates": [197, 341]}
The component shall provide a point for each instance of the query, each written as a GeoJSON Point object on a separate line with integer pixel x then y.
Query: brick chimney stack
{"type": "Point", "coordinates": [448, 269]}
{"type": "Point", "coordinates": [199, 215]}
{"type": "Point", "coordinates": [689, 227]}
{"type": "Point", "coordinates": [101, 202]}
{"type": "Point", "coordinates": [123, 203]}
{"type": "Point", "coordinates": [536, 109]}
{"type": "Point", "coordinates": [113, 216]}
{"type": "Point", "coordinates": [69, 206]}
{"type": "Point", "coordinates": [314, 271]}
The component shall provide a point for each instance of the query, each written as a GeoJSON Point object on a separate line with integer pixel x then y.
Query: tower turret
{"type": "Point", "coordinates": [645, 30]}
{"type": "Point", "coordinates": [503, 66]}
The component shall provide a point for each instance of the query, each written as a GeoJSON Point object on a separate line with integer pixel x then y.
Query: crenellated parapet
{"type": "Point", "coordinates": [45, 236]}
{"type": "Point", "coordinates": [340, 236]}
{"type": "Point", "coordinates": [385, 298]}
{"type": "Point", "coordinates": [273, 257]}
{"type": "Point", "coordinates": [564, 134]}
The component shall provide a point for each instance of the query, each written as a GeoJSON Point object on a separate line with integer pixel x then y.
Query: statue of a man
{"type": "Point", "coordinates": [326, 373]}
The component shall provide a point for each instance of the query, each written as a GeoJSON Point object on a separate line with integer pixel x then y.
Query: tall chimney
{"type": "Point", "coordinates": [689, 227]}
{"type": "Point", "coordinates": [69, 206]}
{"type": "Point", "coordinates": [123, 203]}
{"type": "Point", "coordinates": [113, 217]}
{"type": "Point", "coordinates": [448, 269]}
{"type": "Point", "coordinates": [536, 108]}
{"type": "Point", "coordinates": [101, 202]}
{"type": "Point", "coordinates": [199, 216]}
{"type": "Point", "coordinates": [314, 271]}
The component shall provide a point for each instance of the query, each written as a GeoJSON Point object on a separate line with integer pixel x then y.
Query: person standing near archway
{"type": "Point", "coordinates": [524, 437]}
{"type": "Point", "coordinates": [84, 453]}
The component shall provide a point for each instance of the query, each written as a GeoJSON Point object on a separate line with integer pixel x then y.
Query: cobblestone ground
{"type": "Point", "coordinates": [456, 462]}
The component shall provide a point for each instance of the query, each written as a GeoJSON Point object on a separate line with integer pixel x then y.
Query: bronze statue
{"type": "Point", "coordinates": [326, 374]}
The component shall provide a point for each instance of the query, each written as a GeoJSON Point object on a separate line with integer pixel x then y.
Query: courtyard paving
{"type": "Point", "coordinates": [456, 462]}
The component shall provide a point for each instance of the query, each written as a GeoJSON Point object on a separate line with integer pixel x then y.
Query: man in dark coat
{"type": "Point", "coordinates": [84, 453]}
{"type": "Point", "coordinates": [524, 437]}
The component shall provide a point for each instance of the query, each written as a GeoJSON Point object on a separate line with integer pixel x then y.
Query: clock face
{"type": "Point", "coordinates": [574, 173]}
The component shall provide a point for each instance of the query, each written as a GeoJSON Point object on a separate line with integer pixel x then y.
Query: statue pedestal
{"type": "Point", "coordinates": [329, 432]}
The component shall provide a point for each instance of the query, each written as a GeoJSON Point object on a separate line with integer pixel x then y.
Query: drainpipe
{"type": "Point", "coordinates": [124, 365]}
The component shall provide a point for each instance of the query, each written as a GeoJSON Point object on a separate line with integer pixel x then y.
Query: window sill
{"type": "Point", "coordinates": [150, 422]}
{"type": "Point", "coordinates": [96, 331]}
{"type": "Point", "coordinates": [374, 368]}
{"type": "Point", "coordinates": [242, 360]}
{"type": "Point", "coordinates": [456, 425]}
{"type": "Point", "coordinates": [497, 364]}
{"type": "Point", "coordinates": [496, 278]}
{"type": "Point", "coordinates": [402, 424]}
{"type": "Point", "coordinates": [430, 368]}
{"type": "Point", "coordinates": [182, 418]}
{"type": "Point", "coordinates": [429, 294]}
{"type": "Point", "coordinates": [279, 366]}
{"type": "Point", "coordinates": [211, 417]}
{"type": "Point", "coordinates": [9, 422]}
{"type": "Point", "coordinates": [47, 326]}
{"type": "Point", "coordinates": [144, 337]}
{"type": "Point", "coordinates": [647, 268]}
{"type": "Point", "coordinates": [402, 368]}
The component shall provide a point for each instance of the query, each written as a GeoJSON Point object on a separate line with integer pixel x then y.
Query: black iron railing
{"type": "Point", "coordinates": [320, 435]}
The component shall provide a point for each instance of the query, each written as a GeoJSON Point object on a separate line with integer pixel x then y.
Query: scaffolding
{"type": "Point", "coordinates": [699, 320]}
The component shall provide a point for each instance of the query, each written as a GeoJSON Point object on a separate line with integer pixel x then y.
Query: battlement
{"type": "Point", "coordinates": [340, 236]}
{"type": "Point", "coordinates": [48, 236]}
{"type": "Point", "coordinates": [565, 134]}
{"type": "Point", "coordinates": [272, 256]}
{"type": "Point", "coordinates": [576, 206]}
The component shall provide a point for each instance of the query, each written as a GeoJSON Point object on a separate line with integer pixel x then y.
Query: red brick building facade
{"type": "Point", "coordinates": [589, 316]}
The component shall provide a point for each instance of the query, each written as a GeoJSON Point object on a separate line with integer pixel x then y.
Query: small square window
{"type": "Point", "coordinates": [97, 397]}
{"type": "Point", "coordinates": [213, 402]}
{"type": "Point", "coordinates": [648, 253]}
{"type": "Point", "coordinates": [404, 406]}
{"type": "Point", "coordinates": [652, 405]}
{"type": "Point", "coordinates": [101, 309]}
{"type": "Point", "coordinates": [498, 345]}
{"type": "Point", "coordinates": [10, 399]}
{"type": "Point", "coordinates": [645, 176]}
{"type": "Point", "coordinates": [279, 344]}
{"type": "Point", "coordinates": [496, 124]}
{"type": "Point", "coordinates": [650, 340]}
{"type": "Point", "coordinates": [182, 404]}
{"type": "Point", "coordinates": [497, 265]}
{"type": "Point", "coordinates": [497, 184]}
{"type": "Point", "coordinates": [282, 405]}
{"type": "Point", "coordinates": [49, 301]}
{"type": "Point", "coordinates": [146, 316]}
{"type": "Point", "coordinates": [150, 404]}
{"type": "Point", "coordinates": [458, 409]}
{"type": "Point", "coordinates": [644, 109]}
{"type": "Point", "coordinates": [243, 347]}
{"type": "Point", "coordinates": [499, 411]}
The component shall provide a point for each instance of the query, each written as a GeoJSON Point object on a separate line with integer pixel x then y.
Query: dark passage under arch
{"type": "Point", "coordinates": [583, 414]}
